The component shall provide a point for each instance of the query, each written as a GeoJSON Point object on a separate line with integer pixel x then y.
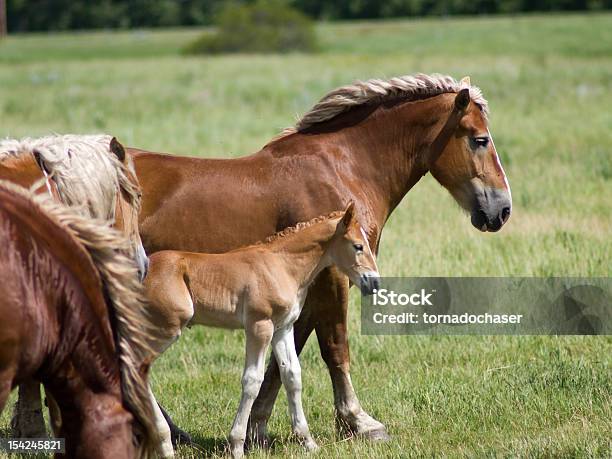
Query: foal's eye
{"type": "Point", "coordinates": [479, 142]}
{"type": "Point", "coordinates": [358, 247]}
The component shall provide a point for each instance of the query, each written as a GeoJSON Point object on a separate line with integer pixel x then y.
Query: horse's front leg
{"type": "Point", "coordinates": [28, 421]}
{"type": "Point", "coordinates": [329, 304]}
{"type": "Point", "coordinates": [325, 308]}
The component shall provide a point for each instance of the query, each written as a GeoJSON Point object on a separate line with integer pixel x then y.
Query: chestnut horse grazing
{"type": "Point", "coordinates": [91, 173]}
{"type": "Point", "coordinates": [262, 289]}
{"type": "Point", "coordinates": [369, 142]}
{"type": "Point", "coordinates": [72, 319]}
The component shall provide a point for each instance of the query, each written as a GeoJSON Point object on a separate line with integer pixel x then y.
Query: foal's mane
{"type": "Point", "coordinates": [83, 167]}
{"type": "Point", "coordinates": [107, 248]}
{"type": "Point", "coordinates": [377, 91]}
{"type": "Point", "coordinates": [300, 226]}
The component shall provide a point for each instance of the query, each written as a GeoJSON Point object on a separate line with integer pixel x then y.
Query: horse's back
{"type": "Point", "coordinates": [219, 205]}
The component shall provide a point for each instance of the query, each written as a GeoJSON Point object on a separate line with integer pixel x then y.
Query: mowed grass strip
{"type": "Point", "coordinates": [548, 80]}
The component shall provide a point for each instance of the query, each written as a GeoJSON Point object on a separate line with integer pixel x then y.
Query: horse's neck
{"type": "Point", "coordinates": [304, 254]}
{"type": "Point", "coordinates": [385, 154]}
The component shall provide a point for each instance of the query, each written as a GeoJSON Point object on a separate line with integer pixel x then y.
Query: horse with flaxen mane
{"type": "Point", "coordinates": [93, 174]}
{"type": "Point", "coordinates": [369, 142]}
{"type": "Point", "coordinates": [89, 172]}
{"type": "Point", "coordinates": [262, 289]}
{"type": "Point", "coordinates": [72, 319]}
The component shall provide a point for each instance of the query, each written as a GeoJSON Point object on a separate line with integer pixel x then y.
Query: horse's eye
{"type": "Point", "coordinates": [479, 142]}
{"type": "Point", "coordinates": [358, 247]}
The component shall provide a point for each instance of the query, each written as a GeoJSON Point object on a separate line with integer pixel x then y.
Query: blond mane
{"type": "Point", "coordinates": [87, 173]}
{"type": "Point", "coordinates": [107, 248]}
{"type": "Point", "coordinates": [376, 91]}
{"type": "Point", "coordinates": [300, 226]}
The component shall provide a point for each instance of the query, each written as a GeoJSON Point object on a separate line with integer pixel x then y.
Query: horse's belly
{"type": "Point", "coordinates": [215, 316]}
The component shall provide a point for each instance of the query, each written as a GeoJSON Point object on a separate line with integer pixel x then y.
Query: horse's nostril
{"type": "Point", "coordinates": [505, 214]}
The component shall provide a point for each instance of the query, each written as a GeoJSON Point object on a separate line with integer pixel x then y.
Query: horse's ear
{"type": "Point", "coordinates": [462, 100]}
{"type": "Point", "coordinates": [117, 148]}
{"type": "Point", "coordinates": [465, 81]}
{"type": "Point", "coordinates": [349, 214]}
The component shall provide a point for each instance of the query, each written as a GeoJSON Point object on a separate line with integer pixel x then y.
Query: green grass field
{"type": "Point", "coordinates": [549, 83]}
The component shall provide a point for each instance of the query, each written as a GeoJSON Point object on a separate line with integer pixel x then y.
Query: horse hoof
{"type": "Point", "coordinates": [376, 435]}
{"type": "Point", "coordinates": [237, 453]}
{"type": "Point", "coordinates": [311, 445]}
{"type": "Point", "coordinates": [181, 437]}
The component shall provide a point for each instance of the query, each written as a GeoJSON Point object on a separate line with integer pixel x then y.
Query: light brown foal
{"type": "Point", "coordinates": [262, 289]}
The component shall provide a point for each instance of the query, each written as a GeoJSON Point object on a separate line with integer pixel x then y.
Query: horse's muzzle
{"type": "Point", "coordinates": [492, 212]}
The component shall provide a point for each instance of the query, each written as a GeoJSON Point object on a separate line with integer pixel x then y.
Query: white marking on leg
{"type": "Point", "coordinates": [165, 449]}
{"type": "Point", "coordinates": [252, 378]}
{"type": "Point", "coordinates": [283, 345]}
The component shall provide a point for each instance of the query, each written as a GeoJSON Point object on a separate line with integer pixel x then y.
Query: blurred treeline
{"type": "Point", "coordinates": [33, 15]}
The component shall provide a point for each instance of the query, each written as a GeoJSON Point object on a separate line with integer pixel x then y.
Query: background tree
{"type": "Point", "coordinates": [38, 15]}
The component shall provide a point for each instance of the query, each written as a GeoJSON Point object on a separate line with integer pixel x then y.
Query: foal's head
{"type": "Point", "coordinates": [468, 165]}
{"type": "Point", "coordinates": [350, 252]}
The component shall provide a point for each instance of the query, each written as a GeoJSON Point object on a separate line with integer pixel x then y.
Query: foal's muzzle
{"type": "Point", "coordinates": [368, 282]}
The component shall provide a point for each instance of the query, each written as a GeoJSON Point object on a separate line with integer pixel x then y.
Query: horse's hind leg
{"type": "Point", "coordinates": [258, 337]}
{"type": "Point", "coordinates": [165, 449]}
{"type": "Point", "coordinates": [283, 346]}
{"type": "Point", "coordinates": [177, 435]}
{"type": "Point", "coordinates": [28, 421]}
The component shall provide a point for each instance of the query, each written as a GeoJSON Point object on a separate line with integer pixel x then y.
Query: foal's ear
{"type": "Point", "coordinates": [349, 214]}
{"type": "Point", "coordinates": [465, 81]}
{"type": "Point", "coordinates": [117, 149]}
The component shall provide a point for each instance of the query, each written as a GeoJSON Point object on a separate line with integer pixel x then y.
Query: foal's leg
{"type": "Point", "coordinates": [283, 346]}
{"type": "Point", "coordinates": [258, 336]}
{"type": "Point", "coordinates": [325, 309]}
{"type": "Point", "coordinates": [264, 403]}
{"type": "Point", "coordinates": [28, 421]}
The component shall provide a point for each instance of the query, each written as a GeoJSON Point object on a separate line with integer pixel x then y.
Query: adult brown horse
{"type": "Point", "coordinates": [91, 173]}
{"type": "Point", "coordinates": [72, 319]}
{"type": "Point", "coordinates": [369, 142]}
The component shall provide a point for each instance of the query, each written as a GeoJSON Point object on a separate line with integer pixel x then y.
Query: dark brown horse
{"type": "Point", "coordinates": [92, 173]}
{"type": "Point", "coordinates": [72, 319]}
{"type": "Point", "coordinates": [369, 143]}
